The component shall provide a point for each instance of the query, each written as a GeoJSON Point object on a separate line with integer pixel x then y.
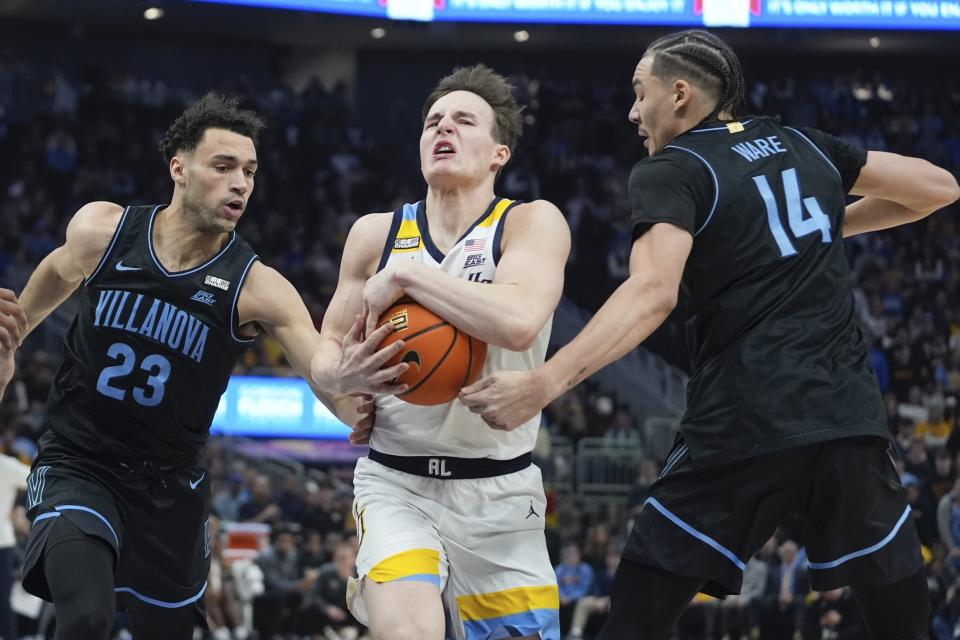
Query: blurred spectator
{"type": "Point", "coordinates": [223, 614]}
{"type": "Point", "coordinates": [13, 478]}
{"type": "Point", "coordinates": [321, 512]}
{"type": "Point", "coordinates": [574, 579]}
{"type": "Point", "coordinates": [948, 525]}
{"type": "Point", "coordinates": [923, 510]}
{"type": "Point", "coordinates": [286, 584]}
{"type": "Point", "coordinates": [946, 619]}
{"type": "Point", "coordinates": [941, 481]}
{"type": "Point", "coordinates": [261, 506]}
{"type": "Point", "coordinates": [740, 614]}
{"type": "Point", "coordinates": [593, 608]}
{"type": "Point", "coordinates": [784, 593]}
{"type": "Point", "coordinates": [833, 615]}
{"type": "Point", "coordinates": [325, 607]}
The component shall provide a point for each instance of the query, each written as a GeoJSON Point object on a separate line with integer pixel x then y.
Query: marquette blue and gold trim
{"type": "Point", "coordinates": [388, 243]}
{"type": "Point", "coordinates": [521, 611]}
{"type": "Point", "coordinates": [410, 230]}
{"type": "Point", "coordinates": [501, 218]}
{"type": "Point", "coordinates": [415, 565]}
{"type": "Point", "coordinates": [492, 214]}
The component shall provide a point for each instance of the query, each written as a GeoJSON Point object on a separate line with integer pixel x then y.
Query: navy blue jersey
{"type": "Point", "coordinates": [150, 352]}
{"type": "Point", "coordinates": [778, 359]}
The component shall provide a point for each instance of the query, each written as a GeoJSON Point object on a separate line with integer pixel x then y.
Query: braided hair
{"type": "Point", "coordinates": [708, 61]}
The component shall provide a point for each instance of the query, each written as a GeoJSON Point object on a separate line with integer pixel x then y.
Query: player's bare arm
{"type": "Point", "coordinates": [270, 302]}
{"type": "Point", "coordinates": [55, 278]}
{"type": "Point", "coordinates": [60, 273]}
{"type": "Point", "coordinates": [510, 311]}
{"type": "Point", "coordinates": [13, 326]}
{"type": "Point", "coordinates": [507, 399]}
{"type": "Point", "coordinates": [897, 190]}
{"type": "Point", "coordinates": [346, 360]}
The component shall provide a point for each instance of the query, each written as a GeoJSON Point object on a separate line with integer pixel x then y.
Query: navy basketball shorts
{"type": "Point", "coordinates": [155, 522]}
{"type": "Point", "coordinates": [846, 495]}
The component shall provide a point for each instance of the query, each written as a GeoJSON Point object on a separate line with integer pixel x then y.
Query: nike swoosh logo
{"type": "Point", "coordinates": [120, 267]}
{"type": "Point", "coordinates": [194, 483]}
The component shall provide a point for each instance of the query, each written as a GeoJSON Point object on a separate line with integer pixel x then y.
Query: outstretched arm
{"type": "Point", "coordinates": [61, 272]}
{"type": "Point", "coordinates": [897, 190]}
{"type": "Point", "coordinates": [55, 278]}
{"type": "Point", "coordinates": [507, 399]}
{"type": "Point", "coordinates": [342, 368]}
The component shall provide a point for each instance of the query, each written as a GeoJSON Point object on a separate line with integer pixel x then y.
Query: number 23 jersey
{"type": "Point", "coordinates": [151, 351]}
{"type": "Point", "coordinates": [778, 359]}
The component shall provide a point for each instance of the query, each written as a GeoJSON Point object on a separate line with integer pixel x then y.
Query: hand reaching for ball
{"type": "Point", "coordinates": [13, 328]}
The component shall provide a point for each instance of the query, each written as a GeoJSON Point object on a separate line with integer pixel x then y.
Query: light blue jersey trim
{"type": "Point", "coordinates": [421, 577]}
{"type": "Point", "coordinates": [696, 534]}
{"type": "Point", "coordinates": [45, 516]}
{"type": "Point", "coordinates": [161, 603]}
{"type": "Point", "coordinates": [817, 149]}
{"type": "Point", "coordinates": [541, 623]}
{"type": "Point", "coordinates": [716, 185]}
{"type": "Point", "coordinates": [868, 550]}
{"type": "Point", "coordinates": [76, 507]}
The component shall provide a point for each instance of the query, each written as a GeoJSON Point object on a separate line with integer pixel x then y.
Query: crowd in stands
{"type": "Point", "coordinates": [94, 137]}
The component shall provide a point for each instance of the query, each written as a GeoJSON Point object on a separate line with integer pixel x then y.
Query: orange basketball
{"type": "Point", "coordinates": [442, 358]}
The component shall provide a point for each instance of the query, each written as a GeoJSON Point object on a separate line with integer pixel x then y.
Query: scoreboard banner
{"type": "Point", "coordinates": [827, 14]}
{"type": "Point", "coordinates": [274, 408]}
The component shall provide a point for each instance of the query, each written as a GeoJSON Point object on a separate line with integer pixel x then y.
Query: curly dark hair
{"type": "Point", "coordinates": [212, 111]}
{"type": "Point", "coordinates": [495, 91]}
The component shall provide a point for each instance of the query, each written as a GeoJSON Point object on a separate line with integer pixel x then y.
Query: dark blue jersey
{"type": "Point", "coordinates": [150, 352]}
{"type": "Point", "coordinates": [778, 359]}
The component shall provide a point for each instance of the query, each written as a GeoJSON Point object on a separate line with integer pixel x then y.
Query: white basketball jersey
{"type": "Point", "coordinates": [451, 429]}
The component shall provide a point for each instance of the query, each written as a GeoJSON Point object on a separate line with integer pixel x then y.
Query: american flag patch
{"type": "Point", "coordinates": [475, 244]}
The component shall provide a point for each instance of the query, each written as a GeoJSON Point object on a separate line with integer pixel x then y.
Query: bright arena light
{"type": "Point", "coordinates": [874, 42]}
{"type": "Point", "coordinates": [153, 13]}
{"type": "Point", "coordinates": [378, 32]}
{"type": "Point", "coordinates": [521, 36]}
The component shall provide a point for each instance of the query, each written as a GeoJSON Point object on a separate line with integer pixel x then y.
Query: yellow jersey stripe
{"type": "Point", "coordinates": [408, 237]}
{"type": "Point", "coordinates": [496, 214]}
{"type": "Point", "coordinates": [508, 602]}
{"type": "Point", "coordinates": [409, 563]}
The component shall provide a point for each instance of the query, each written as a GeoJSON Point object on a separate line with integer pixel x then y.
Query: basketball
{"type": "Point", "coordinates": [442, 358]}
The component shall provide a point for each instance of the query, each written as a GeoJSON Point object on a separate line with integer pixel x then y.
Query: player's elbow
{"type": "Point", "coordinates": [665, 298]}
{"type": "Point", "coordinates": [659, 293]}
{"type": "Point", "coordinates": [942, 189]}
{"type": "Point", "coordinates": [951, 189]}
{"type": "Point", "coordinates": [522, 334]}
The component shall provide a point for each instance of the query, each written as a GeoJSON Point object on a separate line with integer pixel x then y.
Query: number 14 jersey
{"type": "Point", "coordinates": [778, 359]}
{"type": "Point", "coordinates": [150, 352]}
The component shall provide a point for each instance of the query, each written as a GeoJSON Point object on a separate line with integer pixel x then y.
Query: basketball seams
{"type": "Point", "coordinates": [466, 374]}
{"type": "Point", "coordinates": [453, 342]}
{"type": "Point", "coordinates": [438, 325]}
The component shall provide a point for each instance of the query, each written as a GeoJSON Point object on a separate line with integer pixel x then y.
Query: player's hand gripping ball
{"type": "Point", "coordinates": [442, 358]}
